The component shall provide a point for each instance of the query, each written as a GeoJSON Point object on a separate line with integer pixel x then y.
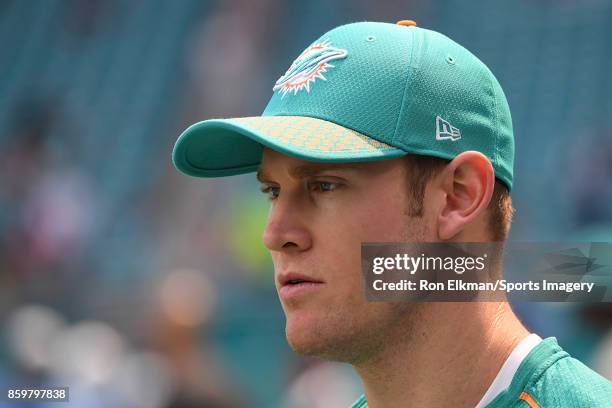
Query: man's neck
{"type": "Point", "coordinates": [448, 357]}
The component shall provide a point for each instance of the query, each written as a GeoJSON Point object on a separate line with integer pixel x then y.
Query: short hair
{"type": "Point", "coordinates": [421, 169]}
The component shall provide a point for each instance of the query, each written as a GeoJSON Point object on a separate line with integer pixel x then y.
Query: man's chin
{"type": "Point", "coordinates": [315, 340]}
{"type": "Point", "coordinates": [304, 335]}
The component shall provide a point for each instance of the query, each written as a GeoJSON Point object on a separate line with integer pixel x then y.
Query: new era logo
{"type": "Point", "coordinates": [446, 131]}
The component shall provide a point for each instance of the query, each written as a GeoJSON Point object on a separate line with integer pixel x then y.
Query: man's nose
{"type": "Point", "coordinates": [286, 229]}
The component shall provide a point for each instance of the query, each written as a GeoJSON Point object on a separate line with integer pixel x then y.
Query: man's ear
{"type": "Point", "coordinates": [467, 182]}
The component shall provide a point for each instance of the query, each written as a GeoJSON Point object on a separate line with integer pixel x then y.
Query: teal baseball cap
{"type": "Point", "coordinates": [365, 91]}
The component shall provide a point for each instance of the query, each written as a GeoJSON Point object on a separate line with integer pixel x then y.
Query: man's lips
{"type": "Point", "coordinates": [293, 278]}
{"type": "Point", "coordinates": [292, 284]}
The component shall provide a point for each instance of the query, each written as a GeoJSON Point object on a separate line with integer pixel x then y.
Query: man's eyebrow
{"type": "Point", "coordinates": [309, 170]}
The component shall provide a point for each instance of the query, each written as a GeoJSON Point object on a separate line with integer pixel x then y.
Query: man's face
{"type": "Point", "coordinates": [320, 214]}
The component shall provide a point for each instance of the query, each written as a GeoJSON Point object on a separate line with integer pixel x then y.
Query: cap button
{"type": "Point", "coordinates": [407, 23]}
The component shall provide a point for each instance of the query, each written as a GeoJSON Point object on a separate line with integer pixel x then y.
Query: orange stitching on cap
{"type": "Point", "coordinates": [528, 399]}
{"type": "Point", "coordinates": [407, 23]}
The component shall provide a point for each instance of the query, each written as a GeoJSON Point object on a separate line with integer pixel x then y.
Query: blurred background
{"type": "Point", "coordinates": [139, 287]}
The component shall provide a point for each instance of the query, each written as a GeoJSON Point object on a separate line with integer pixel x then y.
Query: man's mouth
{"type": "Point", "coordinates": [293, 284]}
{"type": "Point", "coordinates": [293, 278]}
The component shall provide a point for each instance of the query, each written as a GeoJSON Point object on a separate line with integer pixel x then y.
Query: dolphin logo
{"type": "Point", "coordinates": [310, 65]}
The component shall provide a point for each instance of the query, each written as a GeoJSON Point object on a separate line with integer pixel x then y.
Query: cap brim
{"type": "Point", "coordinates": [225, 147]}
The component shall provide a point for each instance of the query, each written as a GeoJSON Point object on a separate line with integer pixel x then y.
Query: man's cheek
{"type": "Point", "coordinates": [347, 280]}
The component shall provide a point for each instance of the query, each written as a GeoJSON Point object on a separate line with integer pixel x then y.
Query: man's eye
{"type": "Point", "coordinates": [271, 192]}
{"type": "Point", "coordinates": [324, 186]}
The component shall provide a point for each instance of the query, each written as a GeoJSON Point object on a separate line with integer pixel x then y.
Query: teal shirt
{"type": "Point", "coordinates": [549, 377]}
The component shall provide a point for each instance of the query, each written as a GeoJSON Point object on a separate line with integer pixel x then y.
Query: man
{"type": "Point", "coordinates": [391, 133]}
